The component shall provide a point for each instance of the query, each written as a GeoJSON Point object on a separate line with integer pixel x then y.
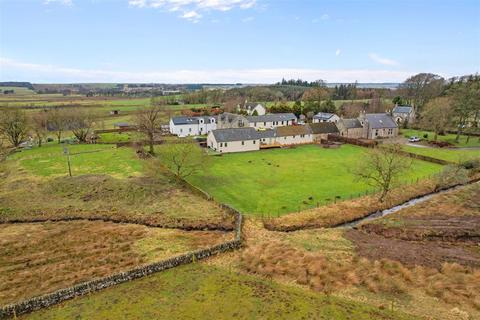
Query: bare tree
{"type": "Point", "coordinates": [466, 101]}
{"type": "Point", "coordinates": [81, 122]}
{"type": "Point", "coordinates": [14, 126]}
{"type": "Point", "coordinates": [148, 122]}
{"type": "Point", "coordinates": [39, 126]}
{"type": "Point", "coordinates": [422, 87]}
{"type": "Point", "coordinates": [382, 167]}
{"type": "Point", "coordinates": [437, 115]}
{"type": "Point", "coordinates": [184, 159]}
{"type": "Point", "coordinates": [57, 121]}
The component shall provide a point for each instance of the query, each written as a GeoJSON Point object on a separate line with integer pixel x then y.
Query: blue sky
{"type": "Point", "coordinates": [254, 41]}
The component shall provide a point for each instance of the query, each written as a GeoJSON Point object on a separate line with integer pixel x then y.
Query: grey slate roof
{"type": "Point", "coordinates": [235, 134]}
{"type": "Point", "coordinates": [380, 121]}
{"type": "Point", "coordinates": [402, 109]}
{"type": "Point", "coordinates": [272, 117]}
{"type": "Point", "coordinates": [323, 116]}
{"type": "Point", "coordinates": [189, 120]}
{"type": "Point", "coordinates": [269, 133]}
{"type": "Point", "coordinates": [323, 127]}
{"type": "Point", "coordinates": [351, 123]}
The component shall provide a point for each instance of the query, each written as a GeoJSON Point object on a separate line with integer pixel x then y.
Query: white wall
{"type": "Point", "coordinates": [232, 146]}
{"type": "Point", "coordinates": [270, 125]}
{"type": "Point", "coordinates": [297, 139]}
{"type": "Point", "coordinates": [193, 129]}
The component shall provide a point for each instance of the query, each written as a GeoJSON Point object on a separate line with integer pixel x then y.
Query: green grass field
{"type": "Point", "coordinates": [451, 155]}
{"type": "Point", "coordinates": [474, 141]}
{"type": "Point", "coordinates": [198, 291]}
{"type": "Point", "coordinates": [49, 160]}
{"type": "Point", "coordinates": [279, 181]}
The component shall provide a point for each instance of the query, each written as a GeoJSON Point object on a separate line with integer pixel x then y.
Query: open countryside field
{"type": "Point", "coordinates": [192, 291]}
{"type": "Point", "coordinates": [449, 137]}
{"type": "Point", "coordinates": [107, 182]}
{"type": "Point", "coordinates": [446, 154]}
{"type": "Point", "coordinates": [37, 258]}
{"type": "Point", "coordinates": [278, 181]}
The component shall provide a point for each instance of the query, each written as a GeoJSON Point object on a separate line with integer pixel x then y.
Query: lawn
{"type": "Point", "coordinates": [49, 160]}
{"type": "Point", "coordinates": [33, 261]}
{"type": "Point", "coordinates": [279, 181]}
{"type": "Point", "coordinates": [474, 141]}
{"type": "Point", "coordinates": [197, 291]}
{"type": "Point", "coordinates": [107, 182]}
{"type": "Point", "coordinates": [451, 155]}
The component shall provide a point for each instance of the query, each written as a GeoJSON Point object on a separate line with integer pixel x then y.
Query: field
{"type": "Point", "coordinates": [107, 182]}
{"type": "Point", "coordinates": [474, 141]}
{"type": "Point", "coordinates": [42, 257]}
{"type": "Point", "coordinates": [275, 182]}
{"type": "Point", "coordinates": [446, 154]}
{"type": "Point", "coordinates": [192, 291]}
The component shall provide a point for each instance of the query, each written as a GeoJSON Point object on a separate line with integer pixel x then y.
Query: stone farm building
{"type": "Point", "coordinates": [325, 117]}
{"type": "Point", "coordinates": [350, 128]}
{"type": "Point", "coordinates": [192, 126]}
{"type": "Point", "coordinates": [378, 125]}
{"type": "Point", "coordinates": [321, 130]}
{"type": "Point", "coordinates": [251, 108]}
{"type": "Point", "coordinates": [402, 114]}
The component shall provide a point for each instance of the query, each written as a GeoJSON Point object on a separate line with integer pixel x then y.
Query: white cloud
{"type": "Point", "coordinates": [191, 8]}
{"type": "Point", "coordinates": [325, 16]}
{"type": "Point", "coordinates": [338, 52]}
{"type": "Point", "coordinates": [21, 71]}
{"type": "Point", "coordinates": [247, 19]}
{"type": "Point", "coordinates": [192, 16]}
{"type": "Point", "coordinates": [387, 62]}
{"type": "Point", "coordinates": [63, 2]}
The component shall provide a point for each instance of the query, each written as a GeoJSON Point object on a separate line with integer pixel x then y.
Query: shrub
{"type": "Point", "coordinates": [451, 175]}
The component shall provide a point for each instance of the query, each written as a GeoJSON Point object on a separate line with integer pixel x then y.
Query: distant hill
{"type": "Point", "coordinates": [27, 85]}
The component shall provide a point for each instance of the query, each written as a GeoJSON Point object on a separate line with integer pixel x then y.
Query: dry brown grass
{"type": "Point", "coordinates": [347, 211]}
{"type": "Point", "coordinates": [42, 257]}
{"type": "Point", "coordinates": [452, 284]}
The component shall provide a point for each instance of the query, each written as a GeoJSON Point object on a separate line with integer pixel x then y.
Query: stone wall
{"type": "Point", "coordinates": [61, 295]}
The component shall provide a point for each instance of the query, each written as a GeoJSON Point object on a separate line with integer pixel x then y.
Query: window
{"type": "Point", "coordinates": [189, 129]}
{"type": "Point", "coordinates": [181, 130]}
{"type": "Point", "coordinates": [254, 141]}
{"type": "Point", "coordinates": [221, 144]}
{"type": "Point", "coordinates": [284, 138]}
{"type": "Point", "coordinates": [376, 132]}
{"type": "Point", "coordinates": [225, 144]}
{"type": "Point", "coordinates": [243, 143]}
{"type": "Point", "coordinates": [265, 123]}
{"type": "Point", "coordinates": [282, 122]}
{"type": "Point", "coordinates": [302, 136]}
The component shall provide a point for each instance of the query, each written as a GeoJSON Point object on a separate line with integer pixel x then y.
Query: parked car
{"type": "Point", "coordinates": [414, 139]}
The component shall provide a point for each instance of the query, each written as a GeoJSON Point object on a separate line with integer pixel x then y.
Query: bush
{"type": "Point", "coordinates": [425, 136]}
{"type": "Point", "coordinates": [451, 175]}
{"type": "Point", "coordinates": [471, 164]}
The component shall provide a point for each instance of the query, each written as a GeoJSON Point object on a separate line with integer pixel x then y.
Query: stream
{"type": "Point", "coordinates": [412, 202]}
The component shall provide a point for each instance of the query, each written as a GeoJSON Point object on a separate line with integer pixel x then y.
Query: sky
{"type": "Point", "coordinates": [236, 41]}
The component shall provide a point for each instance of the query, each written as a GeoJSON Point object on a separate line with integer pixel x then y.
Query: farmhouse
{"type": "Point", "coordinates": [192, 126]}
{"type": "Point", "coordinates": [350, 128]}
{"type": "Point", "coordinates": [293, 135]}
{"type": "Point", "coordinates": [234, 140]}
{"type": "Point", "coordinates": [267, 136]}
{"type": "Point", "coordinates": [403, 114]}
{"type": "Point", "coordinates": [270, 121]}
{"type": "Point", "coordinates": [231, 120]}
{"type": "Point", "coordinates": [321, 130]}
{"type": "Point", "coordinates": [378, 125]}
{"type": "Point", "coordinates": [325, 117]}
{"type": "Point", "coordinates": [253, 108]}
